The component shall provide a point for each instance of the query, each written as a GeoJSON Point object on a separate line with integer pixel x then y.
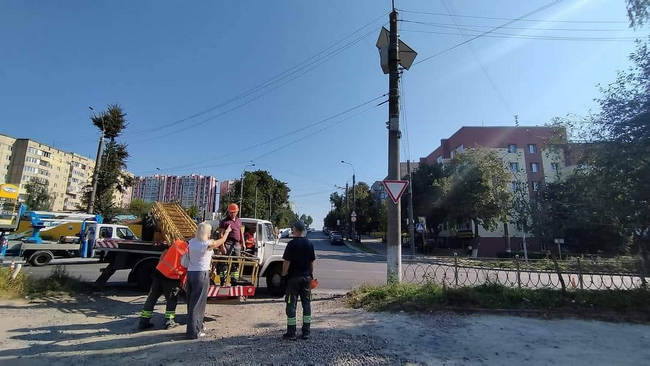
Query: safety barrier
{"type": "Point", "coordinates": [577, 273]}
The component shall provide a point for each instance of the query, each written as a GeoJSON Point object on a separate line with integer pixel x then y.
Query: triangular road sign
{"type": "Point", "coordinates": [395, 188]}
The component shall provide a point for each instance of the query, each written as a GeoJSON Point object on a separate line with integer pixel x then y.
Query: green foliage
{"type": "Point", "coordinates": [139, 207]}
{"type": "Point", "coordinates": [25, 286]}
{"type": "Point", "coordinates": [111, 175]}
{"type": "Point", "coordinates": [475, 187]}
{"type": "Point", "coordinates": [193, 212]}
{"type": "Point", "coordinates": [308, 220]}
{"type": "Point", "coordinates": [430, 296]}
{"type": "Point", "coordinates": [427, 191]}
{"type": "Point", "coordinates": [371, 214]}
{"type": "Point", "coordinates": [38, 198]}
{"type": "Point", "coordinates": [267, 187]}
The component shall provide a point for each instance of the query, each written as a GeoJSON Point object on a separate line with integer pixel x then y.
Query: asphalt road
{"type": "Point", "coordinates": [338, 268]}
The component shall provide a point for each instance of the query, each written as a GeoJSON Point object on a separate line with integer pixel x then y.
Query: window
{"type": "Point", "coordinates": [534, 167]}
{"type": "Point", "coordinates": [453, 153]}
{"type": "Point", "coordinates": [514, 167]}
{"type": "Point", "coordinates": [124, 233]}
{"type": "Point", "coordinates": [555, 167]}
{"type": "Point", "coordinates": [269, 235]}
{"type": "Point", "coordinates": [106, 232]}
{"type": "Point", "coordinates": [514, 185]}
{"type": "Point", "coordinates": [532, 148]}
{"type": "Point", "coordinates": [512, 148]}
{"type": "Point", "coordinates": [46, 154]}
{"type": "Point", "coordinates": [535, 185]}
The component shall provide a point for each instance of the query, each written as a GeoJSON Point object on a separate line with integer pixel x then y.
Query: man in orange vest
{"type": "Point", "coordinates": [167, 279]}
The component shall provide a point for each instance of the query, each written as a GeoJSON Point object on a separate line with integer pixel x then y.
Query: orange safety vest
{"type": "Point", "coordinates": [170, 261]}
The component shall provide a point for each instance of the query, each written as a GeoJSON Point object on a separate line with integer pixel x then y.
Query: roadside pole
{"type": "Point", "coordinates": [411, 223]}
{"type": "Point", "coordinates": [394, 226]}
{"type": "Point", "coordinates": [98, 162]}
{"type": "Point", "coordinates": [347, 210]}
{"type": "Point", "coordinates": [256, 201]}
{"type": "Point", "coordinates": [354, 207]}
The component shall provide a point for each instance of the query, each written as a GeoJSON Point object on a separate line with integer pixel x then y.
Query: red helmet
{"type": "Point", "coordinates": [233, 207]}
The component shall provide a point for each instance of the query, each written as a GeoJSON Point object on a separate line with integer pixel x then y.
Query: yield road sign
{"type": "Point", "coordinates": [395, 188]}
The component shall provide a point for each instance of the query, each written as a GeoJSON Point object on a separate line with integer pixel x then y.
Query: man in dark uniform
{"type": "Point", "coordinates": [298, 270]}
{"type": "Point", "coordinates": [235, 241]}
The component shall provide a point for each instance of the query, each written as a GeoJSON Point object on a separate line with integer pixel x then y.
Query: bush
{"type": "Point", "coordinates": [25, 286]}
{"type": "Point", "coordinates": [412, 297]}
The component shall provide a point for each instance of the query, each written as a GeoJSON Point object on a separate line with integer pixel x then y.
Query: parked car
{"type": "Point", "coordinates": [336, 238]}
{"type": "Point", "coordinates": [326, 231]}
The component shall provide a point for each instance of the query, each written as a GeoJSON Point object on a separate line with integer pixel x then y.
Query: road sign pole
{"type": "Point", "coordinates": [394, 226]}
{"type": "Point", "coordinates": [411, 223]}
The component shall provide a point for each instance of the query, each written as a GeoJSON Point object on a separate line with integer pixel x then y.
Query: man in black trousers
{"type": "Point", "coordinates": [298, 270]}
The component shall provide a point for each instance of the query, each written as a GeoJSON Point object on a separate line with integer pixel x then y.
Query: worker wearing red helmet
{"type": "Point", "coordinates": [234, 242]}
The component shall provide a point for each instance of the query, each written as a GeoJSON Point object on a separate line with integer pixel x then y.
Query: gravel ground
{"type": "Point", "coordinates": [100, 330]}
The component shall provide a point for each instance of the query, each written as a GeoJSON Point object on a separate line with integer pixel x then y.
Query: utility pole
{"type": "Point", "coordinates": [347, 208]}
{"type": "Point", "coordinates": [354, 208]}
{"type": "Point", "coordinates": [394, 226]}
{"type": "Point", "coordinates": [270, 196]}
{"type": "Point", "coordinates": [98, 162]}
{"type": "Point", "coordinates": [255, 201]}
{"type": "Point", "coordinates": [411, 222]}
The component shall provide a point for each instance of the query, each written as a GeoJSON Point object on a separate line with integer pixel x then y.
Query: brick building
{"type": "Point", "coordinates": [533, 154]}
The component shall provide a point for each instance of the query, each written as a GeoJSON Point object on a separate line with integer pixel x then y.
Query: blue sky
{"type": "Point", "coordinates": [164, 62]}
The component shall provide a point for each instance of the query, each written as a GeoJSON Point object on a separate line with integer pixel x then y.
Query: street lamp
{"type": "Point", "coordinates": [353, 215]}
{"type": "Point", "coordinates": [241, 187]}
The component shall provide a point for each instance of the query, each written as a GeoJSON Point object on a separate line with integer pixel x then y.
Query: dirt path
{"type": "Point", "coordinates": [100, 331]}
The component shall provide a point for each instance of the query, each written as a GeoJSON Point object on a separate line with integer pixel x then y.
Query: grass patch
{"type": "Point", "coordinates": [412, 297]}
{"type": "Point", "coordinates": [58, 282]}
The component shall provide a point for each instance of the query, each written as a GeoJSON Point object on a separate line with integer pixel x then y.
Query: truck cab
{"type": "Point", "coordinates": [96, 231]}
{"type": "Point", "coordinates": [268, 250]}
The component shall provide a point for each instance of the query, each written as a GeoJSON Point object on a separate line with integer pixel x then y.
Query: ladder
{"type": "Point", "coordinates": [173, 222]}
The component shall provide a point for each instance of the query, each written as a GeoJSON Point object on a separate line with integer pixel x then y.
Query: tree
{"type": "Point", "coordinates": [427, 191]}
{"type": "Point", "coordinates": [139, 207]}
{"type": "Point", "coordinates": [267, 187]}
{"type": "Point", "coordinates": [476, 188]}
{"type": "Point", "coordinates": [306, 219]}
{"type": "Point", "coordinates": [111, 175]}
{"type": "Point", "coordinates": [38, 198]}
{"type": "Point", "coordinates": [637, 12]}
{"type": "Point", "coordinates": [193, 212]}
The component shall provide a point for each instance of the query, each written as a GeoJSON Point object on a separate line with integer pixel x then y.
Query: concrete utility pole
{"type": "Point", "coordinates": [354, 198]}
{"type": "Point", "coordinates": [270, 196]}
{"type": "Point", "coordinates": [411, 223]}
{"type": "Point", "coordinates": [98, 162]}
{"type": "Point", "coordinates": [255, 201]}
{"type": "Point", "coordinates": [347, 208]}
{"type": "Point", "coordinates": [394, 226]}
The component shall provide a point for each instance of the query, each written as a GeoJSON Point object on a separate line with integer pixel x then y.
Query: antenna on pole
{"type": "Point", "coordinates": [393, 3]}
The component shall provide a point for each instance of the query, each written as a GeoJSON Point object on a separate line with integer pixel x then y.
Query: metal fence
{"type": "Point", "coordinates": [578, 273]}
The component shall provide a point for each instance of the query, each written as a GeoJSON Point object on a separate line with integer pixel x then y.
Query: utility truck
{"type": "Point", "coordinates": [263, 259]}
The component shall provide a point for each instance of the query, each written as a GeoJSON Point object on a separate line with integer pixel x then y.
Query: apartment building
{"type": "Point", "coordinates": [533, 154]}
{"type": "Point", "coordinates": [65, 174]}
{"type": "Point", "coordinates": [6, 147]}
{"type": "Point", "coordinates": [188, 190]}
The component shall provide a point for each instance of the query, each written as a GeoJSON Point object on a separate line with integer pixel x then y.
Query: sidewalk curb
{"type": "Point", "coordinates": [359, 248]}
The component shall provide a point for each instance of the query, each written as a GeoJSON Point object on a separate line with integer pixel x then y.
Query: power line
{"type": "Point", "coordinates": [452, 26]}
{"type": "Point", "coordinates": [276, 138]}
{"type": "Point", "coordinates": [333, 53]}
{"type": "Point", "coordinates": [531, 37]}
{"type": "Point", "coordinates": [517, 19]}
{"type": "Point", "coordinates": [483, 68]}
{"type": "Point", "coordinates": [269, 82]}
{"type": "Point", "coordinates": [541, 8]}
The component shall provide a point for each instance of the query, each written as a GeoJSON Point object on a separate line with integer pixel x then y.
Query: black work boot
{"type": "Point", "coordinates": [170, 323]}
{"type": "Point", "coordinates": [145, 323]}
{"type": "Point", "coordinates": [290, 334]}
{"type": "Point", "coordinates": [305, 331]}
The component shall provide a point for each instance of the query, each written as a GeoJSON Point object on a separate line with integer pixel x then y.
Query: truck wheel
{"type": "Point", "coordinates": [40, 258]}
{"type": "Point", "coordinates": [274, 281]}
{"type": "Point", "coordinates": [142, 273]}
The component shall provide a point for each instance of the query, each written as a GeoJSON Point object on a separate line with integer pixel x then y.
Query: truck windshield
{"type": "Point", "coordinates": [125, 233]}
{"type": "Point", "coordinates": [269, 233]}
